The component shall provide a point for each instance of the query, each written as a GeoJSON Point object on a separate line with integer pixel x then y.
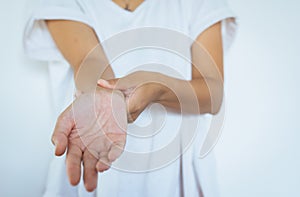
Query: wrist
{"type": "Point", "coordinates": [99, 91]}
{"type": "Point", "coordinates": [158, 91]}
{"type": "Point", "coordinates": [156, 86]}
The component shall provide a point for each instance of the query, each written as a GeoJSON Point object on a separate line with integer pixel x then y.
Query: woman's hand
{"type": "Point", "coordinates": [140, 89]}
{"type": "Point", "coordinates": [93, 130]}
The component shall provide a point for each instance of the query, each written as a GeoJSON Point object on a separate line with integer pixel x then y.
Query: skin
{"type": "Point", "coordinates": [75, 40]}
{"type": "Point", "coordinates": [93, 130]}
{"type": "Point", "coordinates": [133, 4]}
{"type": "Point", "coordinates": [142, 88]}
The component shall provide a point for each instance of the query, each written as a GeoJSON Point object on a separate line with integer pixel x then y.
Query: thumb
{"type": "Point", "coordinates": [110, 84]}
{"type": "Point", "coordinates": [117, 83]}
{"type": "Point", "coordinates": [63, 128]}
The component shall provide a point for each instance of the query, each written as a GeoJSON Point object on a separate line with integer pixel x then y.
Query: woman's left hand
{"type": "Point", "coordinates": [140, 89]}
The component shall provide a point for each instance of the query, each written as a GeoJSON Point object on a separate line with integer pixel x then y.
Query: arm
{"type": "Point", "coordinates": [88, 128]}
{"type": "Point", "coordinates": [77, 41]}
{"type": "Point", "coordinates": [206, 83]}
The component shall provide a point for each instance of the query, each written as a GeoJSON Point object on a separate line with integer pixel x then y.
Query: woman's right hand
{"type": "Point", "coordinates": [139, 88]}
{"type": "Point", "coordinates": [93, 130]}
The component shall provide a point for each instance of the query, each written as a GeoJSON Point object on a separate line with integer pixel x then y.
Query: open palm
{"type": "Point", "coordinates": [92, 129]}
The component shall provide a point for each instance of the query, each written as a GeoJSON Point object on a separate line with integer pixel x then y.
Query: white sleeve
{"type": "Point", "coordinates": [37, 41]}
{"type": "Point", "coordinates": [201, 14]}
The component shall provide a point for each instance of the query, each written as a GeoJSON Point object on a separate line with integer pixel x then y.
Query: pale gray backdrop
{"type": "Point", "coordinates": [258, 152]}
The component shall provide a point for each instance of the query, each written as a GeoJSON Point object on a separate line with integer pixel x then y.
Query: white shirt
{"type": "Point", "coordinates": [185, 175]}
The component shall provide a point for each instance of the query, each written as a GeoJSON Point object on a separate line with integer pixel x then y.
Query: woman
{"type": "Point", "coordinates": [85, 39]}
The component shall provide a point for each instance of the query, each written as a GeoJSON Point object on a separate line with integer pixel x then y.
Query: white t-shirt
{"type": "Point", "coordinates": [141, 40]}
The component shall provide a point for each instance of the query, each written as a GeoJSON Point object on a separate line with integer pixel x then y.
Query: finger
{"type": "Point", "coordinates": [128, 110]}
{"type": "Point", "coordinates": [117, 83]}
{"type": "Point", "coordinates": [63, 127]}
{"type": "Point", "coordinates": [90, 174]}
{"type": "Point", "coordinates": [73, 162]}
{"type": "Point", "coordinates": [116, 151]}
{"type": "Point", "coordinates": [103, 163]}
{"type": "Point", "coordinates": [132, 110]}
{"type": "Point", "coordinates": [110, 84]}
{"type": "Point", "coordinates": [130, 118]}
{"type": "Point", "coordinates": [102, 166]}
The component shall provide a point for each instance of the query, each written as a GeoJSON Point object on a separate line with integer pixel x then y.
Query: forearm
{"type": "Point", "coordinates": [204, 93]}
{"type": "Point", "coordinates": [197, 96]}
{"type": "Point", "coordinates": [80, 46]}
{"type": "Point", "coordinates": [93, 67]}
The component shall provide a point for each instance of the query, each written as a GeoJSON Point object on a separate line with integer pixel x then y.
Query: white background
{"type": "Point", "coordinates": [259, 151]}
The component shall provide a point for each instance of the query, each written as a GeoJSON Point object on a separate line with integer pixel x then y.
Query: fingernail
{"type": "Point", "coordinates": [54, 142]}
{"type": "Point", "coordinates": [102, 81]}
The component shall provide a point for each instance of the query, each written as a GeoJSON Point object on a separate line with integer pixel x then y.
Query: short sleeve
{"type": "Point", "coordinates": [37, 41]}
{"type": "Point", "coordinates": [201, 14]}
